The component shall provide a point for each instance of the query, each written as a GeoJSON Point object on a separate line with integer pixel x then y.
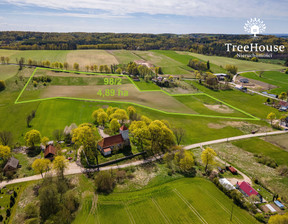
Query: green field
{"type": "Point", "coordinates": [241, 64]}
{"type": "Point", "coordinates": [194, 200]}
{"type": "Point", "coordinates": [8, 71]}
{"type": "Point", "coordinates": [259, 146]}
{"type": "Point", "coordinates": [168, 65]}
{"type": "Point", "coordinates": [56, 114]}
{"type": "Point", "coordinates": [86, 86]}
{"type": "Point", "coordinates": [253, 104]}
{"type": "Point", "coordinates": [278, 79]}
{"type": "Point", "coordinates": [184, 59]}
{"type": "Point", "coordinates": [203, 104]}
{"type": "Point", "coordinates": [124, 56]}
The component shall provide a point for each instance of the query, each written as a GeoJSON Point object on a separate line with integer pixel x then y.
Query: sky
{"type": "Point", "coordinates": [142, 16]}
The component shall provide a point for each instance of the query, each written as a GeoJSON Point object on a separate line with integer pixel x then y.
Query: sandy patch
{"type": "Point", "coordinates": [216, 126]}
{"type": "Point", "coordinates": [219, 108]}
{"type": "Point", "coordinates": [90, 57]}
{"type": "Point", "coordinates": [255, 84]}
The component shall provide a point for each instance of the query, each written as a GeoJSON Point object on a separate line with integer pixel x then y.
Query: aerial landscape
{"type": "Point", "coordinates": [180, 124]}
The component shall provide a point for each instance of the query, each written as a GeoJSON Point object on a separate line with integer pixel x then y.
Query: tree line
{"type": "Point", "coordinates": [200, 43]}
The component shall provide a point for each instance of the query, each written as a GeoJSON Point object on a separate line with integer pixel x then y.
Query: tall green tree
{"type": "Point", "coordinates": [32, 138]}
{"type": "Point", "coordinates": [207, 156]}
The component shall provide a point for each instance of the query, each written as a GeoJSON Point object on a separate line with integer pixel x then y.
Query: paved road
{"type": "Point", "coordinates": [233, 138]}
{"type": "Point", "coordinates": [75, 169]}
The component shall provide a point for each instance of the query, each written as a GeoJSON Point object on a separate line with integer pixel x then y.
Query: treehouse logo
{"type": "Point", "coordinates": [254, 26]}
{"type": "Point", "coordinates": [254, 50]}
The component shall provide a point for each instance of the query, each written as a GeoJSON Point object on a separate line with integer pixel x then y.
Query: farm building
{"type": "Point", "coordinates": [283, 106]}
{"type": "Point", "coordinates": [11, 165]}
{"type": "Point", "coordinates": [247, 190]}
{"type": "Point", "coordinates": [221, 76]}
{"type": "Point", "coordinates": [226, 184]}
{"type": "Point", "coordinates": [244, 80]}
{"type": "Point", "coordinates": [232, 170]}
{"type": "Point", "coordinates": [106, 145]}
{"type": "Point", "coordinates": [50, 152]}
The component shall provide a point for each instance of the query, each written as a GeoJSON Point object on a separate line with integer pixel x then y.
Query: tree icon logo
{"type": "Point", "coordinates": [254, 26]}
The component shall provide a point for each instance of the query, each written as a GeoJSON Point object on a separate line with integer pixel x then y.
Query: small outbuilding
{"type": "Point", "coordinates": [50, 152]}
{"type": "Point", "coordinates": [226, 184]}
{"type": "Point", "coordinates": [11, 165]}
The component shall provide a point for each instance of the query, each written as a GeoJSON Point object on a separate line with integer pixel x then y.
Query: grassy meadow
{"type": "Point", "coordinates": [7, 71]}
{"type": "Point", "coordinates": [251, 103]}
{"type": "Point", "coordinates": [278, 79]}
{"type": "Point", "coordinates": [241, 64]}
{"type": "Point", "coordinates": [259, 146]}
{"type": "Point", "coordinates": [193, 200]}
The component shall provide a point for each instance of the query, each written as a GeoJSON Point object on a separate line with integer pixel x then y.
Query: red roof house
{"type": "Point", "coordinates": [50, 152]}
{"type": "Point", "coordinates": [246, 189]}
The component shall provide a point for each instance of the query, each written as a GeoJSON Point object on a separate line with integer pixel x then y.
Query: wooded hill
{"type": "Point", "coordinates": [212, 44]}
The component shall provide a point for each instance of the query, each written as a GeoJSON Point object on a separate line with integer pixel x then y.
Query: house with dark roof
{"type": "Point", "coordinates": [50, 152]}
{"type": "Point", "coordinates": [11, 165]}
{"type": "Point", "coordinates": [246, 189]}
{"type": "Point", "coordinates": [283, 106]}
{"type": "Point", "coordinates": [115, 142]}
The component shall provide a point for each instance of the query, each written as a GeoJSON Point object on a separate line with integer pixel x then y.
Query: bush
{"type": "Point", "coordinates": [71, 201]}
{"type": "Point", "coordinates": [104, 182]}
{"type": "Point", "coordinates": [286, 72]}
{"type": "Point", "coordinates": [2, 85]}
{"type": "Point", "coordinates": [35, 83]}
{"type": "Point", "coordinates": [260, 217]}
{"type": "Point", "coordinates": [266, 160]}
{"type": "Point", "coordinates": [31, 211]}
{"type": "Point", "coordinates": [120, 176]}
{"type": "Point", "coordinates": [283, 170]}
{"type": "Point", "coordinates": [1, 218]}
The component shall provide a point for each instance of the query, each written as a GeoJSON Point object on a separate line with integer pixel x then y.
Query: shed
{"type": "Point", "coordinates": [226, 183]}
{"type": "Point", "coordinates": [279, 204]}
{"type": "Point", "coordinates": [50, 152]}
{"type": "Point", "coordinates": [11, 165]}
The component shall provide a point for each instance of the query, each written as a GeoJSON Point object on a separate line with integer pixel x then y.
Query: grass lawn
{"type": "Point", "coordinates": [253, 104]}
{"type": "Point", "coordinates": [272, 77]}
{"type": "Point", "coordinates": [70, 111]}
{"type": "Point", "coordinates": [241, 64]}
{"type": "Point", "coordinates": [39, 55]}
{"type": "Point", "coordinates": [142, 85]}
{"type": "Point", "coordinates": [168, 65]}
{"type": "Point", "coordinates": [25, 163]}
{"type": "Point", "coordinates": [8, 71]}
{"type": "Point", "coordinates": [279, 140]}
{"type": "Point", "coordinates": [184, 59]}
{"type": "Point", "coordinates": [203, 104]}
{"type": "Point", "coordinates": [259, 146]}
{"type": "Point", "coordinates": [174, 202]}
{"type": "Point", "coordinates": [272, 61]}
{"type": "Point", "coordinates": [124, 56]}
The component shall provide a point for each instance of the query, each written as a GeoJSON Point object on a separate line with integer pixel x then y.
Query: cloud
{"type": "Point", "coordinates": [210, 8]}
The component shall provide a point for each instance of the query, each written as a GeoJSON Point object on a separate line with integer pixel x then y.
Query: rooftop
{"type": "Point", "coordinates": [50, 149]}
{"type": "Point", "coordinates": [12, 162]}
{"type": "Point", "coordinates": [244, 186]}
{"type": "Point", "coordinates": [110, 141]}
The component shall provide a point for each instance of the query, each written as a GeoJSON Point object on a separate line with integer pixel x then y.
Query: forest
{"type": "Point", "coordinates": [209, 44]}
